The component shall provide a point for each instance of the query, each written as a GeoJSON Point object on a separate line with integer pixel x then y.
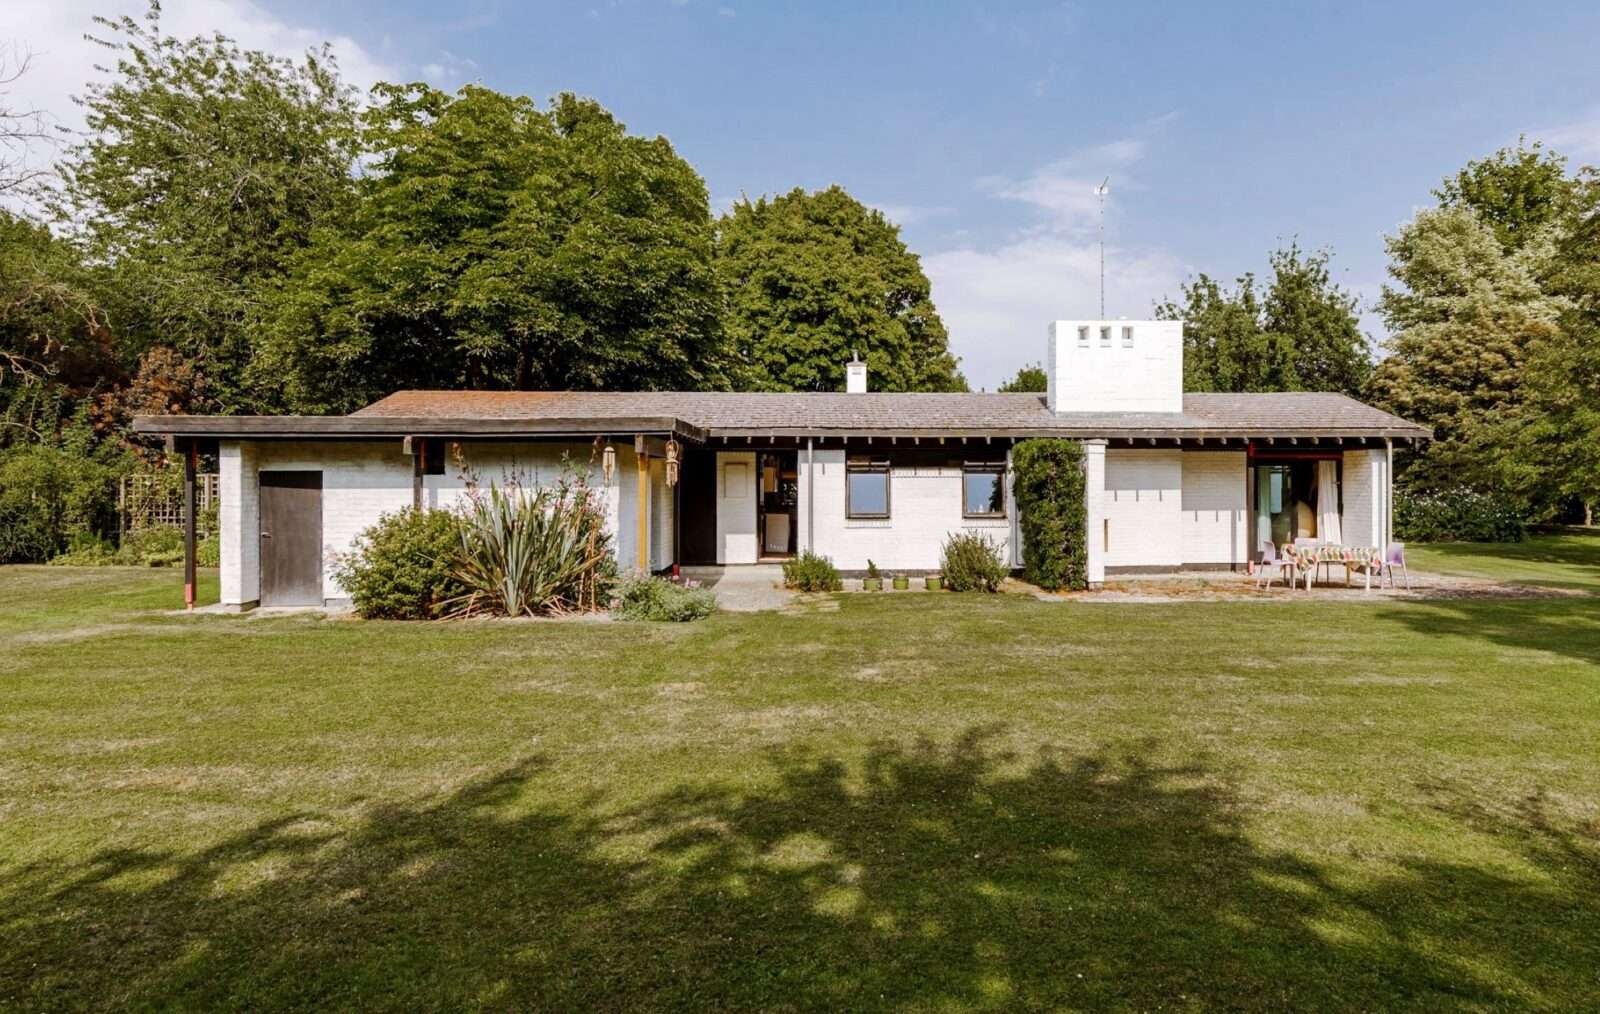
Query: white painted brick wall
{"type": "Point", "coordinates": [1143, 505]}
{"type": "Point", "coordinates": [362, 480]}
{"type": "Point", "coordinates": [1146, 376]}
{"type": "Point", "coordinates": [1364, 483]}
{"type": "Point", "coordinates": [1214, 505]}
{"type": "Point", "coordinates": [924, 507]}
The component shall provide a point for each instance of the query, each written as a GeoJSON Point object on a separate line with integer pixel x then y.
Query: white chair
{"type": "Point", "coordinates": [1272, 565]}
{"type": "Point", "coordinates": [1395, 556]}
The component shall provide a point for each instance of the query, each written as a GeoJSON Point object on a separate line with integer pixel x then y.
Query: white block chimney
{"type": "Point", "coordinates": [1115, 366]}
{"type": "Point", "coordinates": [855, 375]}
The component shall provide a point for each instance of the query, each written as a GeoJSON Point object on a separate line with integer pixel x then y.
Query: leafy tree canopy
{"type": "Point", "coordinates": [54, 342]}
{"type": "Point", "coordinates": [1029, 379]}
{"type": "Point", "coordinates": [1301, 334]}
{"type": "Point", "coordinates": [809, 277]}
{"type": "Point", "coordinates": [204, 169]}
{"type": "Point", "coordinates": [1226, 347]}
{"type": "Point", "coordinates": [495, 244]}
{"type": "Point", "coordinates": [1515, 192]}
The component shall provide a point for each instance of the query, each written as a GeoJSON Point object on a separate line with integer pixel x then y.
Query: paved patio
{"type": "Point", "coordinates": [744, 589]}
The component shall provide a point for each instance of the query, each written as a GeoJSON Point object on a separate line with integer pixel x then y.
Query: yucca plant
{"type": "Point", "coordinates": [533, 552]}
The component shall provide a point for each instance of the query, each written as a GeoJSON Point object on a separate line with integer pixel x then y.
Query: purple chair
{"type": "Point", "coordinates": [1273, 565]}
{"type": "Point", "coordinates": [1395, 556]}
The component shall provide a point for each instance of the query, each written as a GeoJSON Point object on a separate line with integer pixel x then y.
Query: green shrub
{"type": "Point", "coordinates": [655, 598]}
{"type": "Point", "coordinates": [527, 552]}
{"type": "Point", "coordinates": [152, 547]}
{"type": "Point", "coordinates": [1048, 479]}
{"type": "Point", "coordinates": [47, 497]}
{"type": "Point", "coordinates": [1455, 515]}
{"type": "Point", "coordinates": [811, 573]}
{"type": "Point", "coordinates": [403, 567]}
{"type": "Point", "coordinates": [972, 562]}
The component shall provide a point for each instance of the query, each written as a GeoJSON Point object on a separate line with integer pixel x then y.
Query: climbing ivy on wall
{"type": "Point", "coordinates": [1050, 487]}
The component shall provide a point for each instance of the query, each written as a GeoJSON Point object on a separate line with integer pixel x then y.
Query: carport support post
{"type": "Point", "coordinates": [644, 504]}
{"type": "Point", "coordinates": [811, 496]}
{"type": "Point", "coordinates": [189, 467]}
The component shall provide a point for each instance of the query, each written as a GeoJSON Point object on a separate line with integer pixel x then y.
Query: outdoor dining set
{"type": "Point", "coordinates": [1303, 557]}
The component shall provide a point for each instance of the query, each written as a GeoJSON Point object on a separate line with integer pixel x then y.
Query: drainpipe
{"type": "Point", "coordinates": [811, 496]}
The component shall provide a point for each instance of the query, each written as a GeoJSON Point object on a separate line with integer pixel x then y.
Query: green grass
{"type": "Point", "coordinates": [880, 802]}
{"type": "Point", "coordinates": [1558, 561]}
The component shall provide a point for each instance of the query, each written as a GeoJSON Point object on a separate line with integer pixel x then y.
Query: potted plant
{"type": "Point", "coordinates": [874, 580]}
{"type": "Point", "coordinates": [901, 582]}
{"type": "Point", "coordinates": [933, 582]}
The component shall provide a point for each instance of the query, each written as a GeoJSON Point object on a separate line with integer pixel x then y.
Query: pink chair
{"type": "Point", "coordinates": [1272, 565]}
{"type": "Point", "coordinates": [1395, 556]}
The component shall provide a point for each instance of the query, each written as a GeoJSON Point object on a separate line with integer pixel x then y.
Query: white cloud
{"type": "Point", "coordinates": [1580, 138]}
{"type": "Point", "coordinates": [1066, 188]}
{"type": "Point", "coordinates": [909, 214]}
{"type": "Point", "coordinates": [998, 304]}
{"type": "Point", "coordinates": [63, 61]}
{"type": "Point", "coordinates": [999, 300]}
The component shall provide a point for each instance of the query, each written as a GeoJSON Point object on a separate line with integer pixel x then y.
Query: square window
{"type": "Point", "coordinates": [1105, 337]}
{"type": "Point", "coordinates": [1083, 336]}
{"type": "Point", "coordinates": [1127, 337]}
{"type": "Point", "coordinates": [983, 489]}
{"type": "Point", "coordinates": [866, 488]}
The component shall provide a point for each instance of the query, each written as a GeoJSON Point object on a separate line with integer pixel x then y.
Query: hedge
{"type": "Point", "coordinates": [1049, 487]}
{"type": "Point", "coordinates": [1455, 515]}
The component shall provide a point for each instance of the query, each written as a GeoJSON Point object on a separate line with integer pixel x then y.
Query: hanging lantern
{"type": "Point", "coordinates": [674, 450]}
{"type": "Point", "coordinates": [608, 463]}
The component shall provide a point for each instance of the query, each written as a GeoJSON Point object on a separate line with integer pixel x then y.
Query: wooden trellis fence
{"type": "Point", "coordinates": [154, 499]}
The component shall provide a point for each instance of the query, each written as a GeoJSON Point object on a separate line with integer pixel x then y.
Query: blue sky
{"type": "Point", "coordinates": [982, 128]}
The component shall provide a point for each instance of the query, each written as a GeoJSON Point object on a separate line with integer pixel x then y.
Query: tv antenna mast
{"type": "Point", "coordinates": [1101, 191]}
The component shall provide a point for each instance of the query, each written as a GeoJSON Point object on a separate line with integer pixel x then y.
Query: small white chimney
{"type": "Point", "coordinates": [855, 375]}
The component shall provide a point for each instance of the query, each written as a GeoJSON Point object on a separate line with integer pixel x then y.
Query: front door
{"type": "Point", "coordinates": [291, 538]}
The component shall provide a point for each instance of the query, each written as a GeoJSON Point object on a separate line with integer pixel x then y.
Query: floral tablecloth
{"type": "Point", "coordinates": [1306, 558]}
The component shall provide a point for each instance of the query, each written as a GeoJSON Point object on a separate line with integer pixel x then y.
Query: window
{"type": "Point", "coordinates": [866, 488]}
{"type": "Point", "coordinates": [983, 489]}
{"type": "Point", "coordinates": [1083, 336]}
{"type": "Point", "coordinates": [1105, 337]}
{"type": "Point", "coordinates": [1127, 337]}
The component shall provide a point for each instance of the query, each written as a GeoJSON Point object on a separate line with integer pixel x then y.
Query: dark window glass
{"type": "Point", "coordinates": [867, 489]}
{"type": "Point", "coordinates": [433, 457]}
{"type": "Point", "coordinates": [983, 490]}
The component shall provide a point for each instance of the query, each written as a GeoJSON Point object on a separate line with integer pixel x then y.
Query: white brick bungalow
{"type": "Point", "coordinates": [1175, 480]}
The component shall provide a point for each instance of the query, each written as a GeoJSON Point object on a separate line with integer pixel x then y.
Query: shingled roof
{"type": "Point", "coordinates": [743, 414]}
{"type": "Point", "coordinates": [698, 415]}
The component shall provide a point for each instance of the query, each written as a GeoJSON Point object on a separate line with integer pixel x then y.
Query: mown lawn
{"type": "Point", "coordinates": [1558, 561]}
{"type": "Point", "coordinates": [915, 802]}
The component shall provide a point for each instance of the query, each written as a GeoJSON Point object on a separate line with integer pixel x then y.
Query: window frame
{"type": "Point", "coordinates": [1083, 336]}
{"type": "Point", "coordinates": [869, 466]}
{"type": "Point", "coordinates": [998, 470]}
{"type": "Point", "coordinates": [1127, 336]}
{"type": "Point", "coordinates": [1105, 336]}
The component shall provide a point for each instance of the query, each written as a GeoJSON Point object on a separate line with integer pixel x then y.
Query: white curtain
{"type": "Point", "coordinates": [1328, 502]}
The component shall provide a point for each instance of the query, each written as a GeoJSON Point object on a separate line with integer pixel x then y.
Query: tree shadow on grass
{"type": "Point", "coordinates": [927, 876]}
{"type": "Point", "coordinates": [1561, 626]}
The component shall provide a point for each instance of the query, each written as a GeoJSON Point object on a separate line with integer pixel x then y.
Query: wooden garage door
{"type": "Point", "coordinates": [291, 538]}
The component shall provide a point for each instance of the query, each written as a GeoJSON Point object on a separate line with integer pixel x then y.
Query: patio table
{"type": "Point", "coordinates": [1307, 558]}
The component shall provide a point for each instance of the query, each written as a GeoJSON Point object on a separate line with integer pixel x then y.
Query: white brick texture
{"type": "Point", "coordinates": [1143, 504]}
{"type": "Point", "coordinates": [1213, 502]}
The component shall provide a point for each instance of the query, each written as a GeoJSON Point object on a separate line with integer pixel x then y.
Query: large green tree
{"type": "Point", "coordinates": [811, 277]}
{"type": "Point", "coordinates": [55, 346]}
{"type": "Point", "coordinates": [1493, 330]}
{"type": "Point", "coordinates": [204, 168]}
{"type": "Point", "coordinates": [1319, 319]}
{"type": "Point", "coordinates": [1462, 318]}
{"type": "Point", "coordinates": [1225, 346]}
{"type": "Point", "coordinates": [1299, 334]}
{"type": "Point", "coordinates": [496, 244]}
